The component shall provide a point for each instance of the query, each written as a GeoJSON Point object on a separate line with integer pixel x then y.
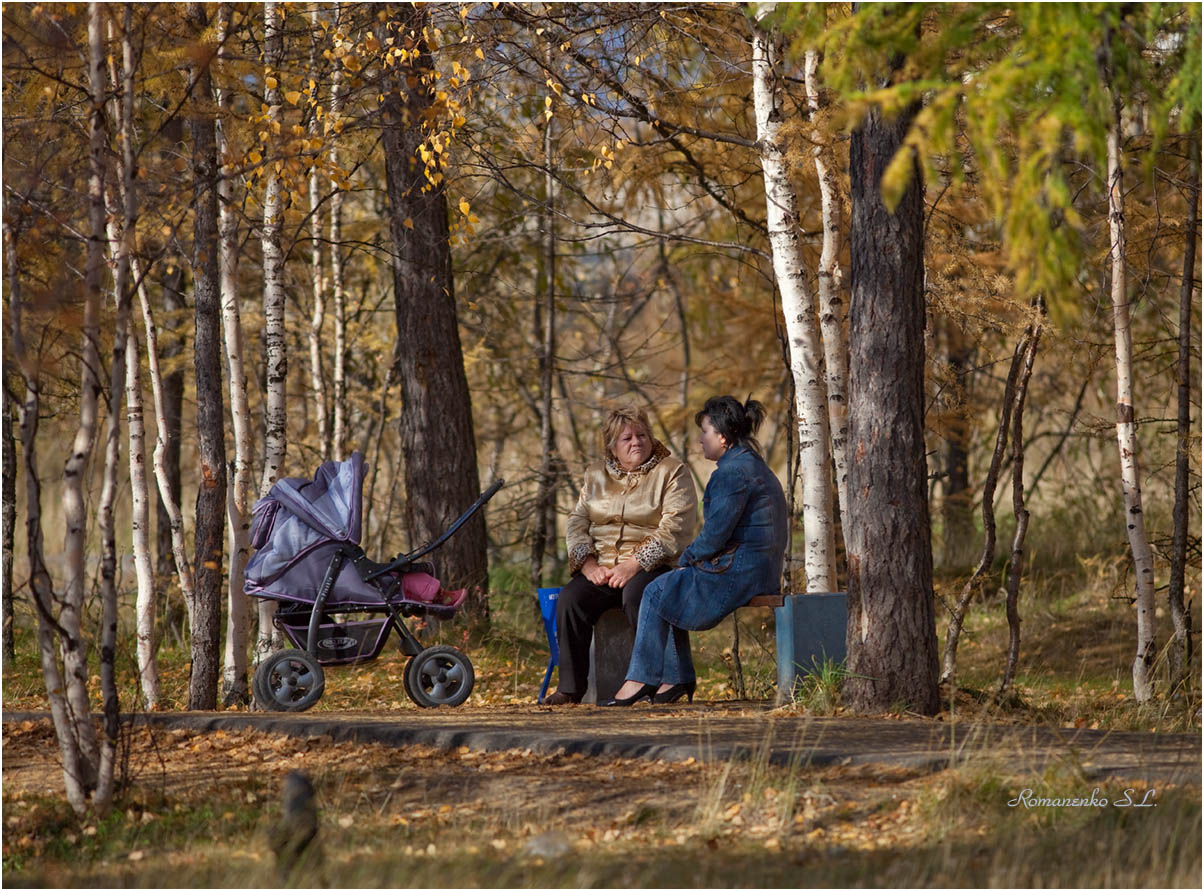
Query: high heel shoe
{"type": "Point", "coordinates": [645, 692]}
{"type": "Point", "coordinates": [676, 692]}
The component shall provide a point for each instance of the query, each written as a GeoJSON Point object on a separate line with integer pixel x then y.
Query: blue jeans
{"type": "Point", "coordinates": [661, 654]}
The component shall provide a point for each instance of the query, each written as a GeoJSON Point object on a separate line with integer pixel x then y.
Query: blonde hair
{"type": "Point", "coordinates": [617, 420]}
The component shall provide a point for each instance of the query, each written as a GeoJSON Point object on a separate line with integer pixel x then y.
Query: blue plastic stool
{"type": "Point", "coordinates": [547, 609]}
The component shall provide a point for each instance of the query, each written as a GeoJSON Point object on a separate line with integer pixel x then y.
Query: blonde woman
{"type": "Point", "coordinates": [636, 514]}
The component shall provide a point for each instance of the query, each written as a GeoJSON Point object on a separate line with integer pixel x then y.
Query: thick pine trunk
{"type": "Point", "coordinates": [1126, 426]}
{"type": "Point", "coordinates": [892, 656]}
{"type": "Point", "coordinates": [1179, 656]}
{"type": "Point", "coordinates": [211, 482]}
{"type": "Point", "coordinates": [438, 444]}
{"type": "Point", "coordinates": [802, 324]}
{"type": "Point", "coordinates": [235, 689]}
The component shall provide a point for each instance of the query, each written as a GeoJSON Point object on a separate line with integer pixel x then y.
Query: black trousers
{"type": "Point", "coordinates": [580, 604]}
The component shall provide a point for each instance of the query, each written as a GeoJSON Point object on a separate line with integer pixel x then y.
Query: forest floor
{"type": "Point", "coordinates": [200, 806]}
{"type": "Point", "coordinates": [490, 794]}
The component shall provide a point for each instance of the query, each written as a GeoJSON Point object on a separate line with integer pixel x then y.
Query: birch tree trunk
{"type": "Point", "coordinates": [317, 381]}
{"type": "Point", "coordinates": [832, 310]}
{"type": "Point", "coordinates": [144, 609]}
{"type": "Point", "coordinates": [40, 585]}
{"type": "Point", "coordinates": [122, 242]}
{"type": "Point", "coordinates": [273, 312]}
{"type": "Point", "coordinates": [1126, 427]}
{"type": "Point", "coordinates": [234, 665]}
{"type": "Point", "coordinates": [174, 303]}
{"type": "Point", "coordinates": [798, 307]}
{"type": "Point", "coordinates": [75, 662]}
{"type": "Point", "coordinates": [337, 287]}
{"type": "Point", "coordinates": [41, 588]}
{"type": "Point", "coordinates": [183, 564]}
{"type": "Point", "coordinates": [210, 421]}
{"type": "Point", "coordinates": [1179, 655]}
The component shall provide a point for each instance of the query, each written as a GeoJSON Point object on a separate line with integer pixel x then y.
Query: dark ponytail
{"type": "Point", "coordinates": [734, 422]}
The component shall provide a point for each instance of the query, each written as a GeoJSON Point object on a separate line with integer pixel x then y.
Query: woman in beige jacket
{"type": "Point", "coordinates": [636, 514]}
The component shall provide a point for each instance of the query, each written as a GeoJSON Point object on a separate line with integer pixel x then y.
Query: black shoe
{"type": "Point", "coordinates": [645, 692]}
{"type": "Point", "coordinates": [676, 692]}
{"type": "Point", "coordinates": [559, 698]}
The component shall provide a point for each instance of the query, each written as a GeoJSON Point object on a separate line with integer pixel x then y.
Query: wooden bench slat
{"type": "Point", "coordinates": [774, 600]}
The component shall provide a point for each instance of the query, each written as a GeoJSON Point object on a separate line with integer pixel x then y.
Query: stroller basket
{"type": "Point", "coordinates": [337, 607]}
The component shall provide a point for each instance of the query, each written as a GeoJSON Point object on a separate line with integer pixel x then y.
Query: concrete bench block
{"type": "Point", "coordinates": [609, 655]}
{"type": "Point", "coordinates": [810, 630]}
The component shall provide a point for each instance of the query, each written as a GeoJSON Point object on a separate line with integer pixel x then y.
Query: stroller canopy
{"type": "Point", "coordinates": [331, 502]}
{"type": "Point", "coordinates": [298, 515]}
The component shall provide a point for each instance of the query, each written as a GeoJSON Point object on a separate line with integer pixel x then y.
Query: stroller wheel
{"type": "Point", "coordinates": [289, 681]}
{"type": "Point", "coordinates": [438, 676]}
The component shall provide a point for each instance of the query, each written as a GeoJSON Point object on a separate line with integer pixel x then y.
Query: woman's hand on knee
{"type": "Point", "coordinates": [624, 572]}
{"type": "Point", "coordinates": [597, 574]}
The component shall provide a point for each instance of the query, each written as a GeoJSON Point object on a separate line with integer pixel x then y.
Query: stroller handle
{"type": "Point", "coordinates": [403, 559]}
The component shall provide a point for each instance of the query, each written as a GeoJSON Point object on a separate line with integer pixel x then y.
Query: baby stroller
{"type": "Point", "coordinates": [337, 607]}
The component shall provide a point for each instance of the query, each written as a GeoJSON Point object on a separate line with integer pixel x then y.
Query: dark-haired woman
{"type": "Point", "coordinates": [737, 555]}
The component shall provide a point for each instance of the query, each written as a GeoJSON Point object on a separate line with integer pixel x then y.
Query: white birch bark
{"type": "Point", "coordinates": [832, 309]}
{"type": "Point", "coordinates": [103, 796]}
{"type": "Point", "coordinates": [144, 566]}
{"type": "Point", "coordinates": [179, 549]}
{"type": "Point", "coordinates": [148, 666]}
{"type": "Point", "coordinates": [339, 377]}
{"type": "Point", "coordinates": [121, 241]}
{"type": "Point", "coordinates": [235, 661]}
{"type": "Point", "coordinates": [273, 309]}
{"type": "Point", "coordinates": [75, 471]}
{"type": "Point", "coordinates": [40, 584]}
{"type": "Point", "coordinates": [1126, 428]}
{"type": "Point", "coordinates": [798, 307]}
{"type": "Point", "coordinates": [317, 381]}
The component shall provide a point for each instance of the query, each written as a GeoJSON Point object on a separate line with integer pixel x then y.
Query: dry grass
{"type": "Point", "coordinates": [200, 807]}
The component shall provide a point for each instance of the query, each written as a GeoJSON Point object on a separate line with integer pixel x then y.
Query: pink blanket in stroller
{"type": "Point", "coordinates": [421, 587]}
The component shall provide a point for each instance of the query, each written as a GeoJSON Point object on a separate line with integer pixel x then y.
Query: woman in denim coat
{"type": "Point", "coordinates": [737, 555]}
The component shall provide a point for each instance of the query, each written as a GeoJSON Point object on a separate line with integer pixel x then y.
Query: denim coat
{"type": "Point", "coordinates": [737, 555]}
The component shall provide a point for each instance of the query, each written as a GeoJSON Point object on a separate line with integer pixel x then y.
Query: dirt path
{"type": "Point", "coordinates": [710, 733]}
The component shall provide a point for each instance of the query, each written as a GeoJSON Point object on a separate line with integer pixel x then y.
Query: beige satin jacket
{"type": "Point", "coordinates": [650, 512]}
